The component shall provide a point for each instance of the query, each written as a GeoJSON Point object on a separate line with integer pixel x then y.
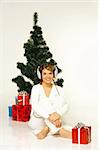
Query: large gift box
{"type": "Point", "coordinates": [81, 134]}
{"type": "Point", "coordinates": [21, 113]}
{"type": "Point", "coordinates": [23, 98]}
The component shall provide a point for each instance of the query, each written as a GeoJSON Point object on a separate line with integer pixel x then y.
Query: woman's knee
{"type": "Point", "coordinates": [36, 123]}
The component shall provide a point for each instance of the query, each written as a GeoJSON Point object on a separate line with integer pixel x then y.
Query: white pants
{"type": "Point", "coordinates": [37, 125]}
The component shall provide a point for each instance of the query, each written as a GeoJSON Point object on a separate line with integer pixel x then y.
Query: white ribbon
{"type": "Point", "coordinates": [23, 93]}
{"type": "Point", "coordinates": [24, 99]}
{"type": "Point", "coordinates": [79, 126]}
{"type": "Point", "coordinates": [79, 135]}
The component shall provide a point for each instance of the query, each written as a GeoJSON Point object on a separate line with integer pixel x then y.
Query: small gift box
{"type": "Point", "coordinates": [81, 134]}
{"type": "Point", "coordinates": [23, 98]}
{"type": "Point", "coordinates": [10, 111]}
{"type": "Point", "coordinates": [23, 112]}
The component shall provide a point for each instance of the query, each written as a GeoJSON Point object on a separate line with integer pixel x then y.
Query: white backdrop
{"type": "Point", "coordinates": [70, 30]}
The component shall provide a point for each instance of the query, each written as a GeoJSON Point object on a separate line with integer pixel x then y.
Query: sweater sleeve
{"type": "Point", "coordinates": [64, 106]}
{"type": "Point", "coordinates": [35, 94]}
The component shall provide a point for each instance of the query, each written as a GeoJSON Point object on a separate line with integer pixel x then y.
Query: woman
{"type": "Point", "coordinates": [48, 105]}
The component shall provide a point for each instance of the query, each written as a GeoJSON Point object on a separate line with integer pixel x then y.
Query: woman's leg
{"type": "Point", "coordinates": [43, 133]}
{"type": "Point", "coordinates": [36, 124]}
{"type": "Point", "coordinates": [48, 127]}
{"type": "Point", "coordinates": [65, 133]}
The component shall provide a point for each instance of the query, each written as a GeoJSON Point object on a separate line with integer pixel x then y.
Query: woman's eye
{"type": "Point", "coordinates": [47, 73]}
{"type": "Point", "coordinates": [44, 73]}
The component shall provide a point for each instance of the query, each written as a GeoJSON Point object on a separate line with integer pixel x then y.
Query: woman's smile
{"type": "Point", "coordinates": [47, 76]}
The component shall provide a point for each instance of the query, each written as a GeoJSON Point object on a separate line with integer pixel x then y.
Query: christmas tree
{"type": "Point", "coordinates": [36, 53]}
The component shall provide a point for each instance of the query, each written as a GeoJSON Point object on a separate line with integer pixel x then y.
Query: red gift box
{"type": "Point", "coordinates": [81, 134]}
{"type": "Point", "coordinates": [14, 112]}
{"type": "Point", "coordinates": [23, 112]}
{"type": "Point", "coordinates": [23, 98]}
{"type": "Point", "coordinates": [85, 135]}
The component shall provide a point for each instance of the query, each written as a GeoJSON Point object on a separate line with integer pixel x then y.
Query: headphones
{"type": "Point", "coordinates": [39, 74]}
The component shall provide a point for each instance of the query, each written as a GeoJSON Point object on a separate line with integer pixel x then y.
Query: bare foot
{"type": "Point", "coordinates": [65, 133]}
{"type": "Point", "coordinates": [43, 133]}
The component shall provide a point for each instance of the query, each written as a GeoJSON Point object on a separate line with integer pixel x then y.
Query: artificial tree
{"type": "Point", "coordinates": [36, 53]}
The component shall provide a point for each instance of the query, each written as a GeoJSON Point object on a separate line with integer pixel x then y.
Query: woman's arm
{"type": "Point", "coordinates": [35, 95]}
{"type": "Point", "coordinates": [62, 106]}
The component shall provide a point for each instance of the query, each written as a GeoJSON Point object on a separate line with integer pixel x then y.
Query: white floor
{"type": "Point", "coordinates": [17, 136]}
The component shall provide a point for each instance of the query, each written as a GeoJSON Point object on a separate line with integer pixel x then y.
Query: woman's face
{"type": "Point", "coordinates": [47, 76]}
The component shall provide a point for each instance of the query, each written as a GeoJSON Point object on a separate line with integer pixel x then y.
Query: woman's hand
{"type": "Point", "coordinates": [53, 117]}
{"type": "Point", "coordinates": [57, 123]}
